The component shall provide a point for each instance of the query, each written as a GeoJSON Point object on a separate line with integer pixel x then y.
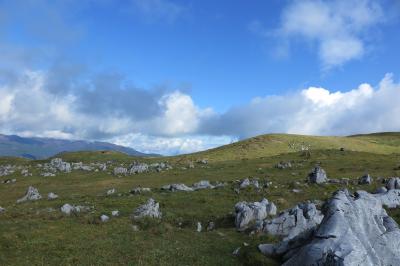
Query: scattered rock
{"type": "Point", "coordinates": [236, 252]}
{"type": "Point", "coordinates": [317, 175]}
{"type": "Point", "coordinates": [68, 209]}
{"type": "Point", "coordinates": [283, 165]}
{"type": "Point", "coordinates": [177, 187]}
{"type": "Point", "coordinates": [203, 184]}
{"type": "Point", "coordinates": [25, 172]}
{"type": "Point", "coordinates": [2, 210]}
{"type": "Point", "coordinates": [199, 227]}
{"type": "Point", "coordinates": [203, 161]}
{"type": "Point", "coordinates": [10, 181]}
{"type": "Point", "coordinates": [104, 218]}
{"type": "Point", "coordinates": [31, 194]}
{"type": "Point", "coordinates": [355, 230]}
{"type": "Point", "coordinates": [120, 171]}
{"type": "Point", "coordinates": [249, 182]}
{"type": "Point", "coordinates": [150, 209]}
{"type": "Point", "coordinates": [115, 213]}
{"type": "Point", "coordinates": [365, 180]}
{"type": "Point", "coordinates": [246, 213]}
{"type": "Point", "coordinates": [60, 165]}
{"type": "Point", "coordinates": [140, 190]}
{"type": "Point", "coordinates": [295, 190]}
{"type": "Point", "coordinates": [290, 223]}
{"type": "Point", "coordinates": [135, 228]}
{"type": "Point", "coordinates": [52, 196]}
{"type": "Point", "coordinates": [111, 191]}
{"type": "Point", "coordinates": [138, 168]}
{"type": "Point", "coordinates": [47, 174]}
{"type": "Point", "coordinates": [210, 226]}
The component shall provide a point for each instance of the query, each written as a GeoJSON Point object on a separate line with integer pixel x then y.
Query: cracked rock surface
{"type": "Point", "coordinates": [355, 230]}
{"type": "Point", "coordinates": [248, 212]}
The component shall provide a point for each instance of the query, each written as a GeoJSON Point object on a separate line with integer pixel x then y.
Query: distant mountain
{"type": "Point", "coordinates": [40, 148]}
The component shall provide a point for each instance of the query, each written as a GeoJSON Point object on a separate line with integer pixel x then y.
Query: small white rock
{"type": "Point", "coordinates": [52, 196]}
{"type": "Point", "coordinates": [199, 227]}
{"type": "Point", "coordinates": [236, 252]}
{"type": "Point", "coordinates": [104, 218]}
{"type": "Point", "coordinates": [115, 213]}
{"type": "Point", "coordinates": [2, 210]}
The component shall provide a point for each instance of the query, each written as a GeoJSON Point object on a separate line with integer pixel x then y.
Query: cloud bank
{"type": "Point", "coordinates": [170, 122]}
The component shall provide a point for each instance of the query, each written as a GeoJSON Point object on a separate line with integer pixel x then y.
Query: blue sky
{"type": "Point", "coordinates": [173, 76]}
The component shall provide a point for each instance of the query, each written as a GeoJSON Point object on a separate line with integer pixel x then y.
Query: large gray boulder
{"type": "Point", "coordinates": [30, 195]}
{"type": "Point", "coordinates": [249, 212]}
{"type": "Point", "coordinates": [292, 222]}
{"type": "Point", "coordinates": [317, 175]}
{"type": "Point", "coordinates": [355, 230]}
{"type": "Point", "coordinates": [177, 187]}
{"type": "Point", "coordinates": [150, 209]}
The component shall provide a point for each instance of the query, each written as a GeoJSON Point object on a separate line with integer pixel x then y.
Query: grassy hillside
{"type": "Point", "coordinates": [275, 144]}
{"type": "Point", "coordinates": [37, 233]}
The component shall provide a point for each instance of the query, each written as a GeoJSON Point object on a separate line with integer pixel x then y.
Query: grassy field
{"type": "Point", "coordinates": [30, 234]}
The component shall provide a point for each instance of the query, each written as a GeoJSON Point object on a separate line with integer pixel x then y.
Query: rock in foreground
{"type": "Point", "coordinates": [248, 212]}
{"type": "Point", "coordinates": [356, 230]}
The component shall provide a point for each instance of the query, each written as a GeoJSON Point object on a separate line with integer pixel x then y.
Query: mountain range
{"type": "Point", "coordinates": [40, 148]}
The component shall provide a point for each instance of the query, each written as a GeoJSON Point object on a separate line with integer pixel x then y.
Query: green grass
{"type": "Point", "coordinates": [29, 234]}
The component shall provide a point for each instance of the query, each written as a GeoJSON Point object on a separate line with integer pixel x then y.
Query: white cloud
{"type": "Point", "coordinates": [171, 145]}
{"type": "Point", "coordinates": [337, 27]}
{"type": "Point", "coordinates": [315, 111]}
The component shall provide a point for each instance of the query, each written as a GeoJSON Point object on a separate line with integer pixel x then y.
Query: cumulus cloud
{"type": "Point", "coordinates": [338, 28]}
{"type": "Point", "coordinates": [315, 111]}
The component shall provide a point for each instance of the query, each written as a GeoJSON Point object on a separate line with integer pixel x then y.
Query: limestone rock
{"type": "Point", "coordinates": [68, 209]}
{"type": "Point", "coordinates": [177, 187]}
{"type": "Point", "coordinates": [31, 194]}
{"type": "Point", "coordinates": [120, 171]}
{"type": "Point", "coordinates": [365, 180]}
{"type": "Point", "coordinates": [52, 196]}
{"type": "Point", "coordinates": [203, 184]}
{"type": "Point", "coordinates": [111, 191]}
{"type": "Point", "coordinates": [2, 210]}
{"type": "Point", "coordinates": [393, 183]}
{"type": "Point", "coordinates": [249, 182]}
{"type": "Point", "coordinates": [140, 190]}
{"type": "Point", "coordinates": [104, 218]}
{"type": "Point", "coordinates": [150, 209]}
{"type": "Point", "coordinates": [317, 175]}
{"type": "Point", "coordinates": [199, 227]}
{"type": "Point", "coordinates": [115, 213]}
{"type": "Point", "coordinates": [246, 213]}
{"type": "Point", "coordinates": [355, 230]}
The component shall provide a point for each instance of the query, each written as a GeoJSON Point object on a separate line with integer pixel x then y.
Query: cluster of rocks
{"type": "Point", "coordinates": [138, 168]}
{"type": "Point", "coordinates": [69, 209]}
{"type": "Point", "coordinates": [355, 230]}
{"type": "Point", "coordinates": [58, 165]}
{"type": "Point", "coordinates": [248, 213]}
{"type": "Point", "coordinates": [105, 218]}
{"type": "Point", "coordinates": [7, 169]}
{"type": "Point", "coordinates": [33, 194]}
{"type": "Point", "coordinates": [10, 181]}
{"type": "Point", "coordinates": [203, 184]}
{"type": "Point", "coordinates": [249, 182]}
{"type": "Point", "coordinates": [210, 226]}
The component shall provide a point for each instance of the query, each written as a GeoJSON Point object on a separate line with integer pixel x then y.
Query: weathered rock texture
{"type": "Point", "coordinates": [31, 194]}
{"type": "Point", "coordinates": [150, 209]}
{"type": "Point", "coordinates": [317, 175]}
{"type": "Point", "coordinates": [249, 212]}
{"type": "Point", "coordinates": [355, 230]}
